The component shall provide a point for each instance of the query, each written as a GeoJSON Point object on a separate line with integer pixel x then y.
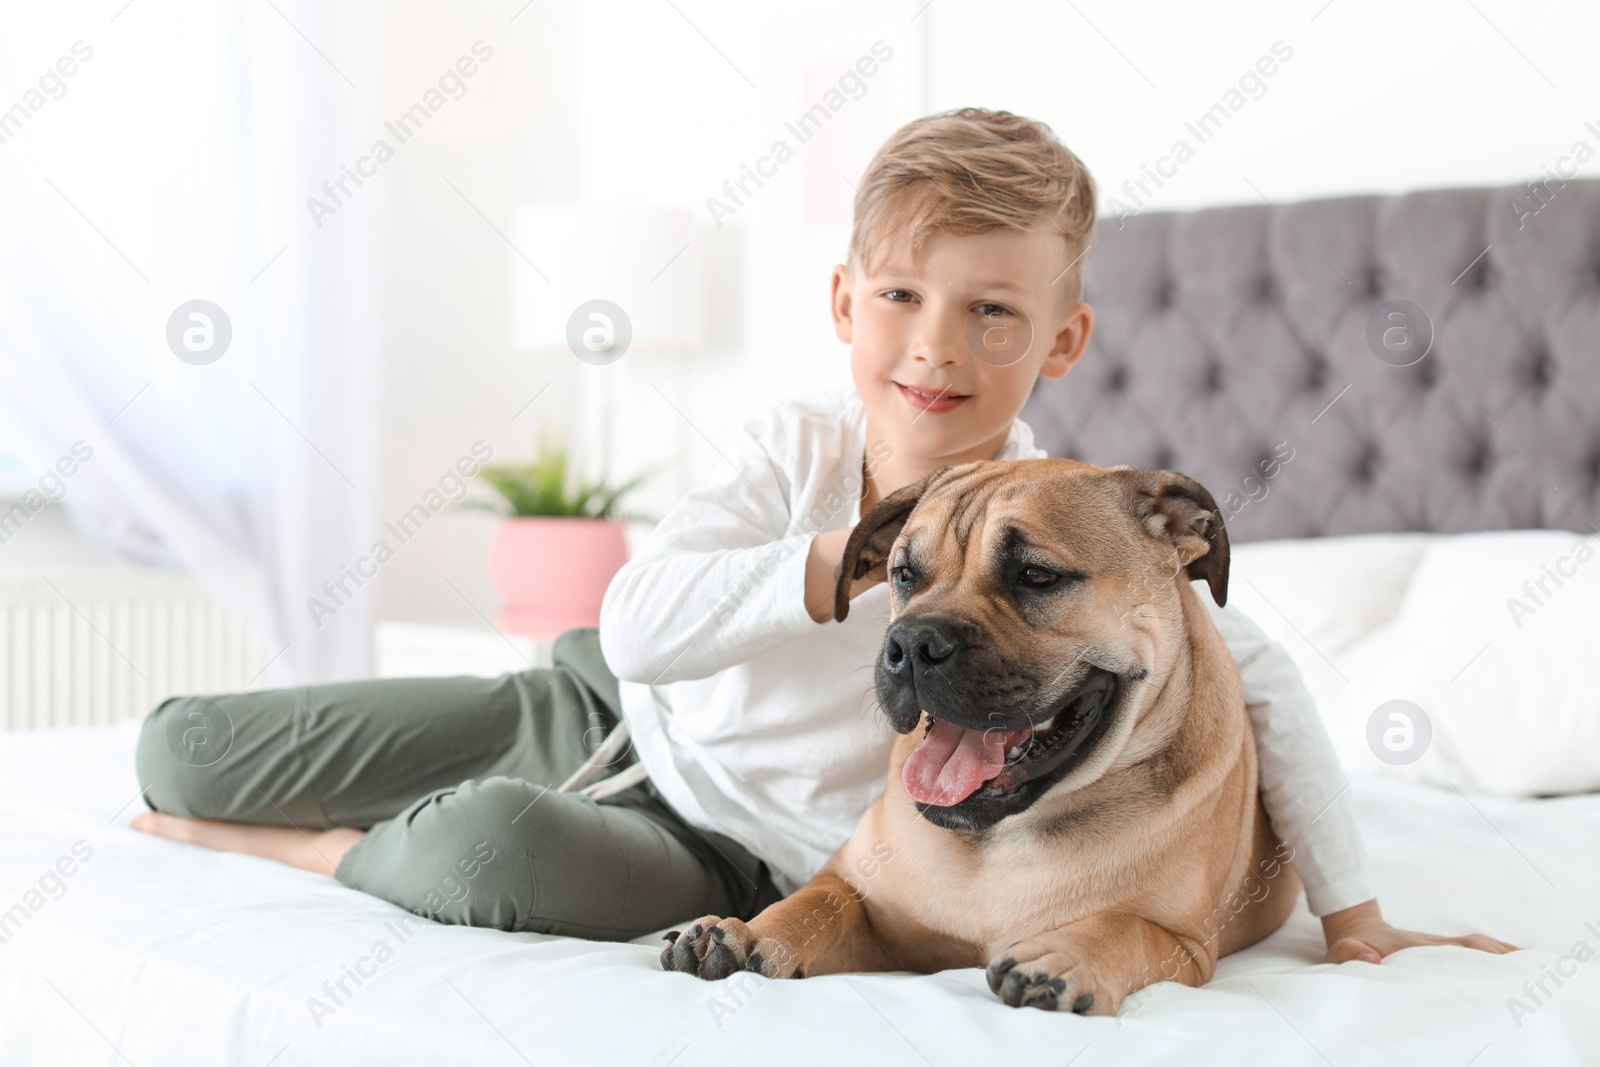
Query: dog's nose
{"type": "Point", "coordinates": [923, 642]}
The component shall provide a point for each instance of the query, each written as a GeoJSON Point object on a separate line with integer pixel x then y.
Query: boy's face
{"type": "Point", "coordinates": [946, 343]}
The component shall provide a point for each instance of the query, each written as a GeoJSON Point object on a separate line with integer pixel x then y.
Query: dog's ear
{"type": "Point", "coordinates": [867, 550]}
{"type": "Point", "coordinates": [1177, 508]}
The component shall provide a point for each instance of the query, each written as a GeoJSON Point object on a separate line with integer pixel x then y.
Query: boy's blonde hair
{"type": "Point", "coordinates": [973, 171]}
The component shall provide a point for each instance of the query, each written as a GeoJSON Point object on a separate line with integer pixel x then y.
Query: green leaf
{"type": "Point", "coordinates": [548, 486]}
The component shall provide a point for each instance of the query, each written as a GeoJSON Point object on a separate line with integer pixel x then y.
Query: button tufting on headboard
{"type": "Point", "coordinates": [1544, 369]}
{"type": "Point", "coordinates": [1316, 372]}
{"type": "Point", "coordinates": [1497, 426]}
{"type": "Point", "coordinates": [1366, 467]}
{"type": "Point", "coordinates": [1478, 460]}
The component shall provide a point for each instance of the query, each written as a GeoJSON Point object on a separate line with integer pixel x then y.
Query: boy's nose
{"type": "Point", "coordinates": [940, 346]}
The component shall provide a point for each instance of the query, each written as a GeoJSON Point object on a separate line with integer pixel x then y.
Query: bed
{"type": "Point", "coordinates": [154, 953]}
{"type": "Point", "coordinates": [1220, 334]}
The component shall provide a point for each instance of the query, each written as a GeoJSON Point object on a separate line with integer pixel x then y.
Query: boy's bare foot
{"type": "Point", "coordinates": [309, 850]}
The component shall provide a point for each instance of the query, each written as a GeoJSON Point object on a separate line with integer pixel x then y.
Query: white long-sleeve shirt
{"type": "Point", "coordinates": [758, 722]}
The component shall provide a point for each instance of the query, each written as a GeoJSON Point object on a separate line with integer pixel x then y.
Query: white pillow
{"type": "Point", "coordinates": [1319, 596]}
{"type": "Point", "coordinates": [1497, 641]}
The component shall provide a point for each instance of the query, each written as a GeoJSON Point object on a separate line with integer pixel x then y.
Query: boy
{"type": "Point", "coordinates": [750, 709]}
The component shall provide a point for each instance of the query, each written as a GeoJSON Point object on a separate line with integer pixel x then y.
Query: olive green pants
{"type": "Point", "coordinates": [455, 780]}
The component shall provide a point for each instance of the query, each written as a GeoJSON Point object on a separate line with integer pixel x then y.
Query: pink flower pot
{"type": "Point", "coordinates": [552, 573]}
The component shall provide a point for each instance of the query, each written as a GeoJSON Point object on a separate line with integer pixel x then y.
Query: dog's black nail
{"type": "Point", "coordinates": [666, 958]}
{"type": "Point", "coordinates": [695, 931]}
{"type": "Point", "coordinates": [753, 963]}
{"type": "Point", "coordinates": [716, 933]}
{"type": "Point", "coordinates": [672, 935]}
{"type": "Point", "coordinates": [1058, 984]}
{"type": "Point", "coordinates": [799, 972]}
{"type": "Point", "coordinates": [997, 972]}
{"type": "Point", "coordinates": [1083, 1003]}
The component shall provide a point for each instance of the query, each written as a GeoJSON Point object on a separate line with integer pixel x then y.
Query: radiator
{"type": "Point", "coordinates": [101, 644]}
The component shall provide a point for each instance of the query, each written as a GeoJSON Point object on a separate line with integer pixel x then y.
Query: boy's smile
{"type": "Point", "coordinates": [938, 401]}
{"type": "Point", "coordinates": [947, 341]}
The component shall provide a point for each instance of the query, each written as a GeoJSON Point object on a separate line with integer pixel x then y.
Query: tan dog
{"type": "Point", "coordinates": [1079, 811]}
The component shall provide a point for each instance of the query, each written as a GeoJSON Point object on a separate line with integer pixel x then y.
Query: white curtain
{"type": "Point", "coordinates": [173, 163]}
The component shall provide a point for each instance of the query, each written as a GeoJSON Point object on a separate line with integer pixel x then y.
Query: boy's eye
{"type": "Point", "coordinates": [989, 311]}
{"type": "Point", "coordinates": [900, 296]}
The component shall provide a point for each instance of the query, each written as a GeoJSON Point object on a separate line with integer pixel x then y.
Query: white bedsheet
{"type": "Point", "coordinates": [163, 954]}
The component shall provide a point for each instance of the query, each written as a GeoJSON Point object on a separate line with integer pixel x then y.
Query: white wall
{"type": "Point", "coordinates": [452, 377]}
{"type": "Point", "coordinates": [635, 102]}
{"type": "Point", "coordinates": [1377, 97]}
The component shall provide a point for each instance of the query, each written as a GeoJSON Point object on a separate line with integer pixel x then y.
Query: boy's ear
{"type": "Point", "coordinates": [840, 299]}
{"type": "Point", "coordinates": [867, 550]}
{"type": "Point", "coordinates": [1072, 337]}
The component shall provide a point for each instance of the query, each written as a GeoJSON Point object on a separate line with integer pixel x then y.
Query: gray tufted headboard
{"type": "Point", "coordinates": [1230, 338]}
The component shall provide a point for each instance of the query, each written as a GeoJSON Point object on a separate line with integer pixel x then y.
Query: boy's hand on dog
{"type": "Point", "coordinates": [822, 573]}
{"type": "Point", "coordinates": [714, 948]}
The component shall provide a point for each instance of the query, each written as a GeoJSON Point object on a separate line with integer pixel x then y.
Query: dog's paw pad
{"type": "Point", "coordinates": [712, 948]}
{"type": "Point", "coordinates": [996, 972]}
{"type": "Point", "coordinates": [720, 961]}
{"type": "Point", "coordinates": [1034, 975]}
{"type": "Point", "coordinates": [1022, 988]}
{"type": "Point", "coordinates": [686, 949]}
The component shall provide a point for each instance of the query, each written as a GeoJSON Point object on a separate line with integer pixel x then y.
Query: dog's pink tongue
{"type": "Point", "coordinates": [952, 762]}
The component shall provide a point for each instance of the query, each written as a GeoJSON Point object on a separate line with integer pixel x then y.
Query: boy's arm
{"type": "Point", "coordinates": [722, 579]}
{"type": "Point", "coordinates": [1306, 794]}
{"type": "Point", "coordinates": [822, 573]}
{"type": "Point", "coordinates": [1307, 799]}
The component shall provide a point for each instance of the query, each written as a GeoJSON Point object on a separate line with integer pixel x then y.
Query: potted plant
{"type": "Point", "coordinates": [558, 545]}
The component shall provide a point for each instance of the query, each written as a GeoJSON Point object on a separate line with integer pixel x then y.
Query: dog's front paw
{"type": "Point", "coordinates": [1030, 974]}
{"type": "Point", "coordinates": [714, 948]}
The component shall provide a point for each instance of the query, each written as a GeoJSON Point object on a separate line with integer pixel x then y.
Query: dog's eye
{"type": "Point", "coordinates": [900, 575]}
{"type": "Point", "coordinates": [1037, 577]}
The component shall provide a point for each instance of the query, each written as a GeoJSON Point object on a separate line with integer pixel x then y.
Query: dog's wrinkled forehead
{"type": "Point", "coordinates": [1001, 508]}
